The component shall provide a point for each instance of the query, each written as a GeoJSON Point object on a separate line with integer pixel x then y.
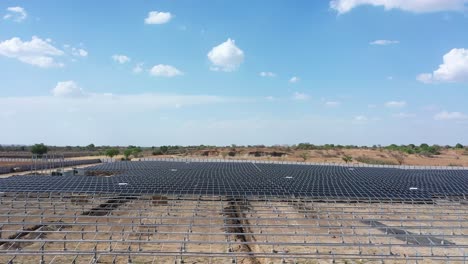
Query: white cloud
{"type": "Point", "coordinates": [79, 52]}
{"type": "Point", "coordinates": [267, 74]}
{"type": "Point", "coordinates": [36, 52]}
{"type": "Point", "coordinates": [384, 42]}
{"type": "Point", "coordinates": [270, 98]}
{"type": "Point", "coordinates": [445, 115]}
{"type": "Point", "coordinates": [138, 68]}
{"type": "Point", "coordinates": [155, 17]}
{"type": "Point", "coordinates": [68, 95]}
{"type": "Point", "coordinates": [294, 79]}
{"type": "Point", "coordinates": [415, 6]}
{"type": "Point", "coordinates": [101, 116]}
{"type": "Point", "coordinates": [16, 13]}
{"type": "Point", "coordinates": [395, 104]}
{"type": "Point", "coordinates": [360, 118]}
{"type": "Point", "coordinates": [67, 89]}
{"type": "Point", "coordinates": [226, 56]}
{"type": "Point", "coordinates": [120, 58]}
{"type": "Point", "coordinates": [300, 96]}
{"type": "Point", "coordinates": [424, 77]}
{"type": "Point", "coordinates": [165, 71]}
{"type": "Point", "coordinates": [75, 52]}
{"type": "Point", "coordinates": [453, 69]}
{"type": "Point", "coordinates": [332, 103]}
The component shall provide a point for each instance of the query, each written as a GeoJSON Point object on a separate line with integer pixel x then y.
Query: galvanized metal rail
{"type": "Point", "coordinates": [103, 228]}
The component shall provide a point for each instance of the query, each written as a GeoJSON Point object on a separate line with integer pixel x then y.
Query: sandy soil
{"type": "Point", "coordinates": [449, 157]}
{"type": "Point", "coordinates": [161, 229]}
{"type": "Point", "coordinates": [446, 158]}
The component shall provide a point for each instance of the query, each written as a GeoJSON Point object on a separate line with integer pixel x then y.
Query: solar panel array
{"type": "Point", "coordinates": [45, 164]}
{"type": "Point", "coordinates": [249, 179]}
{"type": "Point", "coordinates": [235, 212]}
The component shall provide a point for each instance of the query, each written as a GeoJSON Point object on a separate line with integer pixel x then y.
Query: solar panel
{"type": "Point", "coordinates": [245, 178]}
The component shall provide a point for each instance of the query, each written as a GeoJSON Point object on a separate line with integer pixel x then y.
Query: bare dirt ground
{"type": "Point", "coordinates": [446, 157]}
{"type": "Point", "coordinates": [14, 163]}
{"type": "Point", "coordinates": [101, 228]}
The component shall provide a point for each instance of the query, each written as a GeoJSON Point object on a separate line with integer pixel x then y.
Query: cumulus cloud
{"type": "Point", "coordinates": [415, 6]}
{"type": "Point", "coordinates": [67, 89]}
{"type": "Point", "coordinates": [453, 69]}
{"type": "Point", "coordinates": [445, 115]}
{"type": "Point", "coordinates": [155, 17]}
{"type": "Point", "coordinates": [162, 70]}
{"type": "Point", "coordinates": [120, 58]}
{"type": "Point", "coordinates": [384, 42]}
{"type": "Point", "coordinates": [79, 52]}
{"type": "Point", "coordinates": [300, 96]}
{"type": "Point", "coordinates": [226, 56]}
{"type": "Point", "coordinates": [16, 13]}
{"type": "Point", "coordinates": [267, 74]}
{"type": "Point", "coordinates": [294, 79]}
{"type": "Point", "coordinates": [395, 104]}
{"type": "Point", "coordinates": [36, 52]}
{"type": "Point", "coordinates": [73, 51]}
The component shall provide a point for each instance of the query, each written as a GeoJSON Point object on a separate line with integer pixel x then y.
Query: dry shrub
{"type": "Point", "coordinates": [368, 160]}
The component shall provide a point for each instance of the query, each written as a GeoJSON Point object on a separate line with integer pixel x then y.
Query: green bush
{"type": "Point", "coordinates": [423, 149]}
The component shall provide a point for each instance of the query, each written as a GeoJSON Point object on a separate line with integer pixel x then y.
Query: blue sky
{"type": "Point", "coordinates": [243, 72]}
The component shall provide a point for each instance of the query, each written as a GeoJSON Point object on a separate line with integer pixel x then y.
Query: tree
{"type": "Point", "coordinates": [304, 156]}
{"type": "Point", "coordinates": [136, 152]}
{"type": "Point", "coordinates": [132, 150]}
{"type": "Point", "coordinates": [347, 158]}
{"type": "Point", "coordinates": [424, 146]}
{"type": "Point", "coordinates": [459, 146]}
{"type": "Point", "coordinates": [90, 147]}
{"type": "Point", "coordinates": [39, 149]}
{"type": "Point", "coordinates": [127, 153]}
{"type": "Point", "coordinates": [112, 152]}
{"type": "Point", "coordinates": [164, 149]}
